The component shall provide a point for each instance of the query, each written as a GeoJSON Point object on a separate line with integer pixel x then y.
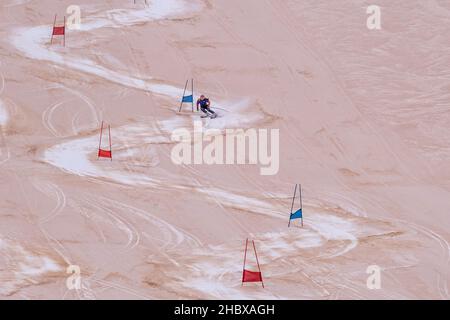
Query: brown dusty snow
{"type": "Point", "coordinates": [363, 118]}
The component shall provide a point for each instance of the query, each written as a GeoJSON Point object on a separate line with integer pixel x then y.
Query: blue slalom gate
{"type": "Point", "coordinates": [188, 98]}
{"type": "Point", "coordinates": [299, 213]}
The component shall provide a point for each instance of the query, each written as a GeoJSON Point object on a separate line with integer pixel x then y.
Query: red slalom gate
{"type": "Point", "coordinates": [59, 31]}
{"type": "Point", "coordinates": [251, 276]}
{"type": "Point", "coordinates": [102, 153]}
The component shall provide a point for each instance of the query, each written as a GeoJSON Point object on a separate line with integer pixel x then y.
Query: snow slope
{"type": "Point", "coordinates": [362, 125]}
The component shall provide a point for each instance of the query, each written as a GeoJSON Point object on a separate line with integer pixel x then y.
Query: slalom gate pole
{"type": "Point", "coordinates": [100, 142]}
{"type": "Point", "coordinates": [54, 23]}
{"type": "Point", "coordinates": [301, 203]}
{"type": "Point", "coordinates": [192, 94]}
{"type": "Point", "coordinates": [292, 207]}
{"type": "Point", "coordinates": [257, 261]}
{"type": "Point", "coordinates": [110, 148]}
{"type": "Point", "coordinates": [245, 258]}
{"type": "Point", "coordinates": [184, 92]}
{"type": "Point", "coordinates": [64, 31]}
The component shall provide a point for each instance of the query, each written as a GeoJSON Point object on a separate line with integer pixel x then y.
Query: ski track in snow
{"type": "Point", "coordinates": [442, 281]}
{"type": "Point", "coordinates": [217, 279]}
{"type": "Point", "coordinates": [47, 116]}
{"type": "Point", "coordinates": [23, 267]}
{"type": "Point", "coordinates": [52, 191]}
{"type": "Point", "coordinates": [173, 236]}
{"type": "Point", "coordinates": [325, 227]}
{"type": "Point", "coordinates": [78, 155]}
{"type": "Point", "coordinates": [4, 118]}
{"type": "Point", "coordinates": [47, 120]}
{"type": "Point", "coordinates": [13, 3]}
{"type": "Point", "coordinates": [32, 43]}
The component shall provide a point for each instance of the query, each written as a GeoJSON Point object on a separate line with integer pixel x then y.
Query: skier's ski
{"type": "Point", "coordinates": [211, 116]}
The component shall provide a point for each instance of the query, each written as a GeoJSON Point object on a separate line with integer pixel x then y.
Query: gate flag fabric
{"type": "Point", "coordinates": [59, 31]}
{"type": "Point", "coordinates": [188, 98]}
{"type": "Point", "coordinates": [103, 153]}
{"type": "Point", "coordinates": [248, 275]}
{"type": "Point", "coordinates": [299, 213]}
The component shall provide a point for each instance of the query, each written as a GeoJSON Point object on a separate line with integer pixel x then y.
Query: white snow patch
{"type": "Point", "coordinates": [217, 269]}
{"type": "Point", "coordinates": [279, 243]}
{"type": "Point", "coordinates": [233, 115]}
{"type": "Point", "coordinates": [240, 201]}
{"type": "Point", "coordinates": [335, 228]}
{"type": "Point", "coordinates": [4, 117]}
{"type": "Point", "coordinates": [171, 124]}
{"type": "Point", "coordinates": [35, 266]}
{"type": "Point", "coordinates": [78, 156]}
{"type": "Point", "coordinates": [157, 10]}
{"type": "Point", "coordinates": [22, 267]}
{"type": "Point", "coordinates": [12, 3]}
{"type": "Point", "coordinates": [33, 43]}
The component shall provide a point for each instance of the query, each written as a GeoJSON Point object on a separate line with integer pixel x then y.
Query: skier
{"type": "Point", "coordinates": [204, 104]}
